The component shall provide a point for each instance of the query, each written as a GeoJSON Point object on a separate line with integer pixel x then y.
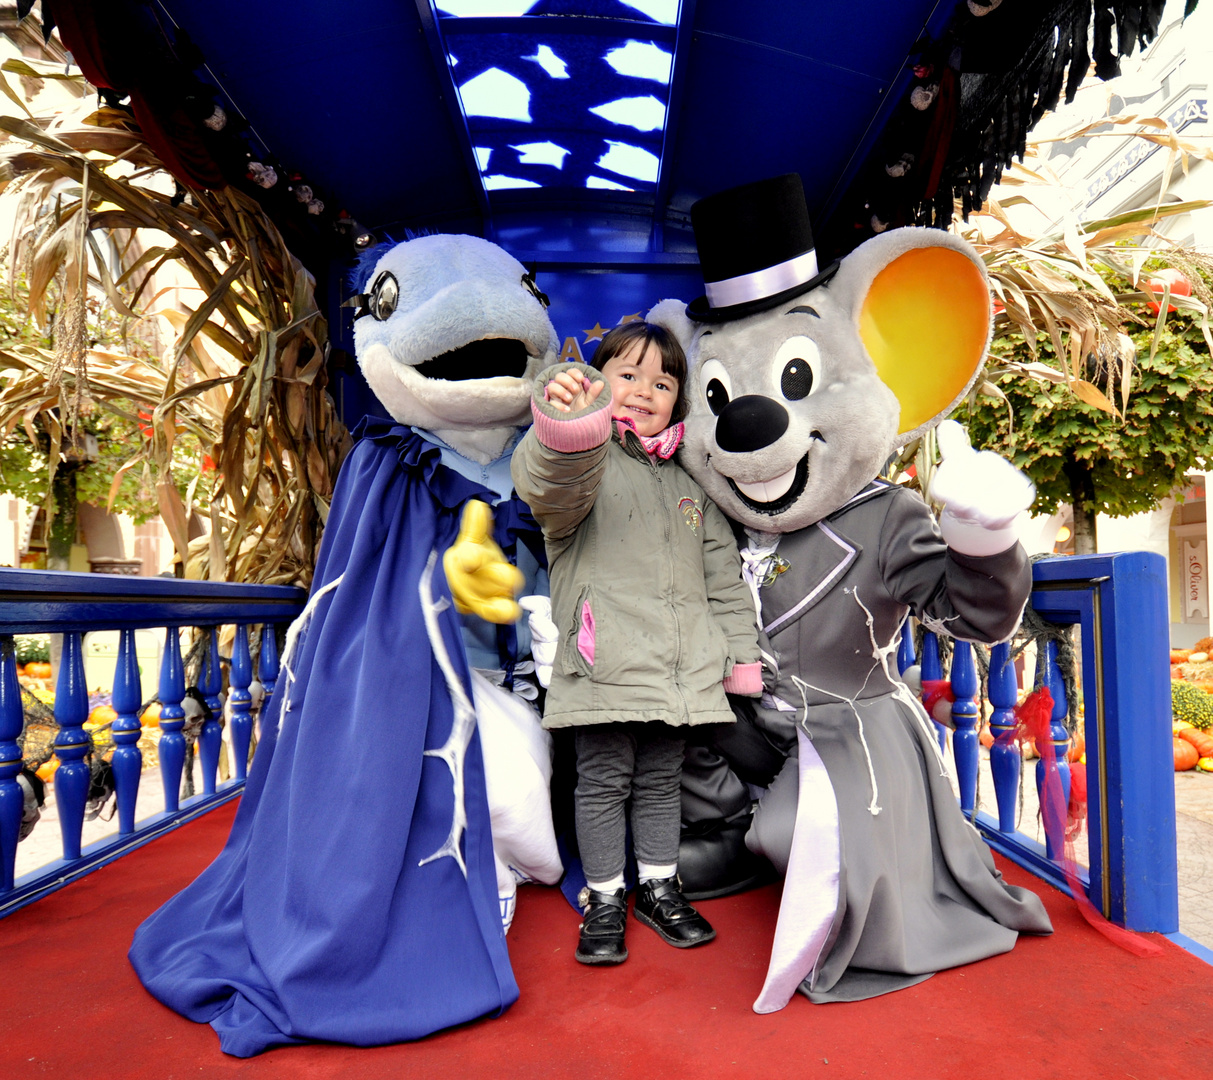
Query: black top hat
{"type": "Point", "coordinates": [755, 249]}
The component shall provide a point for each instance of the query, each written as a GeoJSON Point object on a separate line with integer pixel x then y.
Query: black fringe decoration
{"type": "Point", "coordinates": [1012, 64]}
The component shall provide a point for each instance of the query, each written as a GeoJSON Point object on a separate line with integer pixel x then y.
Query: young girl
{"type": "Point", "coordinates": [655, 622]}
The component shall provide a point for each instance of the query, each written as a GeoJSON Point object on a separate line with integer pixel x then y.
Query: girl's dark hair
{"type": "Point", "coordinates": [620, 340]}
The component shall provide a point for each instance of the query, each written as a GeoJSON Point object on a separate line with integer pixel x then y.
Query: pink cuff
{"type": "Point", "coordinates": [571, 436]}
{"type": "Point", "coordinates": [744, 679]}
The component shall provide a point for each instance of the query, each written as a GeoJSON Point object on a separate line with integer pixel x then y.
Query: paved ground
{"type": "Point", "coordinates": [45, 843]}
{"type": "Point", "coordinates": [1194, 827]}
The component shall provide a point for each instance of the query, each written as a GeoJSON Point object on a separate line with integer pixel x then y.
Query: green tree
{"type": "Point", "coordinates": [1102, 401]}
{"type": "Point", "coordinates": [1115, 463]}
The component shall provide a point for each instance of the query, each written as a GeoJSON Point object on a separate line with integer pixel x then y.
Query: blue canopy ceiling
{"type": "Point", "coordinates": [578, 133]}
{"type": "Point", "coordinates": [583, 129]}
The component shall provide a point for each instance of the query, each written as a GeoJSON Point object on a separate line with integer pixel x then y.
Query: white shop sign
{"type": "Point", "coordinates": [1196, 580]}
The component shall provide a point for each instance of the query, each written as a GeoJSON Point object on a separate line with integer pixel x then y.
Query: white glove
{"type": "Point", "coordinates": [544, 635]}
{"type": "Point", "coordinates": [984, 496]}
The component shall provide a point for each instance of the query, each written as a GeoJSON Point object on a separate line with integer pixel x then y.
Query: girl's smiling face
{"type": "Point", "coordinates": [640, 390]}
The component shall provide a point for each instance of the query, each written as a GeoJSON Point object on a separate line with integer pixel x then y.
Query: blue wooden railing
{"type": "Point", "coordinates": [71, 604]}
{"type": "Point", "coordinates": [1119, 601]}
{"type": "Point", "coordinates": [1120, 604]}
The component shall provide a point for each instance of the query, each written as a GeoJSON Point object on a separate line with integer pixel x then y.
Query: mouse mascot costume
{"type": "Point", "coordinates": [802, 384]}
{"type": "Point", "coordinates": [359, 898]}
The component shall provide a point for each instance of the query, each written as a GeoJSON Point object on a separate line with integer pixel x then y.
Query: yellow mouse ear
{"type": "Point", "coordinates": [925, 322]}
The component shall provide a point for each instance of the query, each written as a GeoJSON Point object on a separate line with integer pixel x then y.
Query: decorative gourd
{"type": "Point", "coordinates": [1205, 764]}
{"type": "Point", "coordinates": [1180, 656]}
{"type": "Point", "coordinates": [1190, 703]}
{"type": "Point", "coordinates": [1186, 756]}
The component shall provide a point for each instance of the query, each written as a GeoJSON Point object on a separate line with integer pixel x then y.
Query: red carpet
{"type": "Point", "coordinates": [1071, 1006]}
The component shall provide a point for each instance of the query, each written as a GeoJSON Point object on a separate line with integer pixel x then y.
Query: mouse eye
{"type": "Point", "coordinates": [797, 364]}
{"type": "Point", "coordinates": [796, 380]}
{"type": "Point", "coordinates": [717, 387]}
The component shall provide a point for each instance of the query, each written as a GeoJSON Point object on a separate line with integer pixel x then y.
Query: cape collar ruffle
{"type": "Point", "coordinates": [512, 518]}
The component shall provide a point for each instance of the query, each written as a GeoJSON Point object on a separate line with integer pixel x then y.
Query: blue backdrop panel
{"type": "Point", "coordinates": [584, 300]}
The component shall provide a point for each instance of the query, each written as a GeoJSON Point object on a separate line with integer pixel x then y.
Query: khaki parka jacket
{"type": "Point", "coordinates": [645, 576]}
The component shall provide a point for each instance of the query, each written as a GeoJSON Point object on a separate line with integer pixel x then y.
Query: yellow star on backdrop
{"type": "Point", "coordinates": [595, 334]}
{"type": "Point", "coordinates": [630, 318]}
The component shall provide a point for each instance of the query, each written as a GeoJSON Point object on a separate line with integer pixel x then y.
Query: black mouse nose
{"type": "Point", "coordinates": [750, 423]}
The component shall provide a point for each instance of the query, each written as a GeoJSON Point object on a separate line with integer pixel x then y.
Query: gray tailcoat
{"type": "Point", "coordinates": [889, 881]}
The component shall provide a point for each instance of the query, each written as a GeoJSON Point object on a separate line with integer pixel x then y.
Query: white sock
{"type": "Point", "coordinates": [653, 872]}
{"type": "Point", "coordinates": [613, 885]}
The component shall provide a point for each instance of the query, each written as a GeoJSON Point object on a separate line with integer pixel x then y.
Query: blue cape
{"type": "Point", "coordinates": [316, 921]}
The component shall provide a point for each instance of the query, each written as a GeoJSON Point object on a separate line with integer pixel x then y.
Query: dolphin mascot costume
{"type": "Point", "coordinates": [360, 898]}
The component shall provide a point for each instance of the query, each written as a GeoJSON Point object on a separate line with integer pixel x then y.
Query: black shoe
{"type": "Point", "coordinates": [604, 919]}
{"type": "Point", "coordinates": [659, 904]}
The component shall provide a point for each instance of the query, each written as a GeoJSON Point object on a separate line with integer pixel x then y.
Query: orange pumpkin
{"type": "Point", "coordinates": [1078, 747]}
{"type": "Point", "coordinates": [986, 738]}
{"type": "Point", "coordinates": [1201, 740]}
{"type": "Point", "coordinates": [1186, 755]}
{"type": "Point", "coordinates": [1078, 790]}
{"type": "Point", "coordinates": [46, 771]}
{"type": "Point", "coordinates": [103, 714]}
{"type": "Point", "coordinates": [1180, 656]}
{"type": "Point", "coordinates": [151, 715]}
{"type": "Point", "coordinates": [38, 669]}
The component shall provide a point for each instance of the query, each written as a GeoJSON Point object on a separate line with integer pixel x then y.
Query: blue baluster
{"type": "Point", "coordinates": [905, 651]}
{"type": "Point", "coordinates": [210, 738]}
{"type": "Point", "coordinates": [172, 720]}
{"type": "Point", "coordinates": [71, 744]}
{"type": "Point", "coordinates": [12, 798]}
{"type": "Point", "coordinates": [966, 715]}
{"type": "Point", "coordinates": [267, 670]}
{"type": "Point", "coordinates": [1053, 810]}
{"type": "Point", "coordinates": [240, 699]}
{"type": "Point", "coordinates": [128, 758]}
{"type": "Point", "coordinates": [932, 670]}
{"type": "Point", "coordinates": [1005, 758]}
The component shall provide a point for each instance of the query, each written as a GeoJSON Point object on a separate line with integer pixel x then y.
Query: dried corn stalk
{"type": "Point", "coordinates": [245, 372]}
{"type": "Point", "coordinates": [1074, 281]}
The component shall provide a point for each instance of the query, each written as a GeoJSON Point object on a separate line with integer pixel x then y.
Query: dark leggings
{"type": "Point", "coordinates": [615, 761]}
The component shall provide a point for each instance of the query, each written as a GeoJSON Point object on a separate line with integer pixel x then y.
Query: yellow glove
{"type": "Point", "coordinates": [481, 580]}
